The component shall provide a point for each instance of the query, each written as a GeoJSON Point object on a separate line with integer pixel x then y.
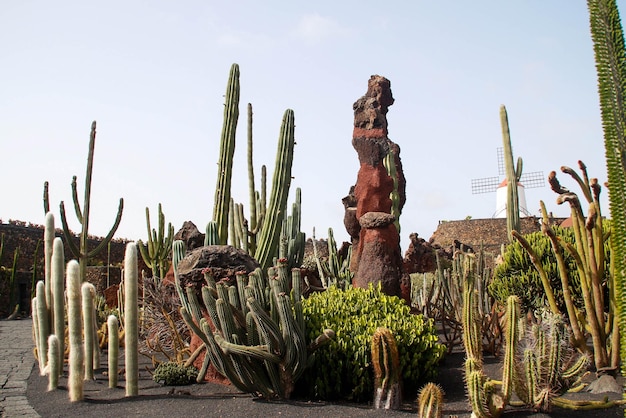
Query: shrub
{"type": "Point", "coordinates": [170, 373]}
{"type": "Point", "coordinates": [342, 369]}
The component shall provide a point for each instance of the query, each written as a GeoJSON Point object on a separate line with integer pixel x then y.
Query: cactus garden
{"type": "Point", "coordinates": [248, 314]}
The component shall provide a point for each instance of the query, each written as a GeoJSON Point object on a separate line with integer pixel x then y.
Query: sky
{"type": "Point", "coordinates": [153, 75]}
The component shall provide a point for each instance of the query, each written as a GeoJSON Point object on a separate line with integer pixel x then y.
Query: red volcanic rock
{"type": "Point", "coordinates": [376, 241]}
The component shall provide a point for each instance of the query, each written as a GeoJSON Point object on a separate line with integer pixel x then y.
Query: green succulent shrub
{"type": "Point", "coordinates": [170, 373]}
{"type": "Point", "coordinates": [342, 369]}
{"type": "Point", "coordinates": [516, 275]}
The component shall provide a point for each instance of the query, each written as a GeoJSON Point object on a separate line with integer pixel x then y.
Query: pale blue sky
{"type": "Point", "coordinates": [153, 75]}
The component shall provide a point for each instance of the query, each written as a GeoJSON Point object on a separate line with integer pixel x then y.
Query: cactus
{"type": "Point", "coordinates": [546, 364]}
{"type": "Point", "coordinates": [57, 277]}
{"type": "Point", "coordinates": [589, 255]}
{"type": "Point", "coordinates": [387, 377]}
{"type": "Point", "coordinates": [48, 240]}
{"type": "Point", "coordinates": [55, 365]}
{"type": "Point", "coordinates": [75, 327]}
{"type": "Point", "coordinates": [88, 292]}
{"type": "Point", "coordinates": [114, 347]}
{"type": "Point", "coordinates": [513, 174]}
{"type": "Point", "coordinates": [156, 252]}
{"type": "Point", "coordinates": [390, 164]}
{"type": "Point", "coordinates": [131, 329]}
{"type": "Point", "coordinates": [43, 326]}
{"type": "Point", "coordinates": [258, 342]}
{"type": "Point", "coordinates": [251, 187]}
{"type": "Point", "coordinates": [291, 244]}
{"type": "Point", "coordinates": [81, 252]}
{"type": "Point", "coordinates": [430, 401]}
{"type": "Point", "coordinates": [486, 398]}
{"type": "Point", "coordinates": [227, 150]}
{"type": "Point", "coordinates": [267, 241]}
{"type": "Point", "coordinates": [609, 50]}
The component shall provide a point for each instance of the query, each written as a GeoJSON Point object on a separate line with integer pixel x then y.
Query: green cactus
{"type": "Point", "coordinates": [159, 247]}
{"type": "Point", "coordinates": [546, 364]}
{"type": "Point", "coordinates": [254, 216]}
{"type": "Point", "coordinates": [487, 398]}
{"type": "Point", "coordinates": [258, 342]}
{"type": "Point", "coordinates": [227, 151]}
{"type": "Point", "coordinates": [609, 50]}
{"type": "Point", "coordinates": [291, 244]}
{"type": "Point", "coordinates": [81, 252]}
{"type": "Point", "coordinates": [48, 240]}
{"type": "Point", "coordinates": [390, 164]}
{"type": "Point", "coordinates": [75, 328]}
{"type": "Point", "coordinates": [387, 373]}
{"type": "Point", "coordinates": [131, 319]}
{"type": "Point", "coordinates": [113, 329]}
{"type": "Point", "coordinates": [267, 241]}
{"type": "Point", "coordinates": [513, 174]}
{"type": "Point", "coordinates": [430, 401]}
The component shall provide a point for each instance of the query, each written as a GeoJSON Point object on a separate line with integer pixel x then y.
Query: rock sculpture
{"type": "Point", "coordinates": [368, 208]}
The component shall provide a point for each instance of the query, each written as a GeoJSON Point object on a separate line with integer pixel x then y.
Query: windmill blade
{"type": "Point", "coordinates": [485, 185]}
{"type": "Point", "coordinates": [533, 180]}
{"type": "Point", "coordinates": [501, 166]}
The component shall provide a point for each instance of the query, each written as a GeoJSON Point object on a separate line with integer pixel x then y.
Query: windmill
{"type": "Point", "coordinates": [531, 180]}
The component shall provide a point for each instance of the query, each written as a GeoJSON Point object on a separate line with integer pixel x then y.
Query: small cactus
{"type": "Point", "coordinates": [114, 349]}
{"type": "Point", "coordinates": [430, 401]}
{"type": "Point", "coordinates": [54, 364]}
{"type": "Point", "coordinates": [386, 362]}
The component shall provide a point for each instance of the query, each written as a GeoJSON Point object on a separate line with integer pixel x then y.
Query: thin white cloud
{"type": "Point", "coordinates": [315, 29]}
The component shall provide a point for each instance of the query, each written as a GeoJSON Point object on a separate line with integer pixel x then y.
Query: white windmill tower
{"type": "Point", "coordinates": [496, 184]}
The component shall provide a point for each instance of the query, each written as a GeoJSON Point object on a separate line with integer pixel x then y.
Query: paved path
{"type": "Point", "coordinates": [16, 363]}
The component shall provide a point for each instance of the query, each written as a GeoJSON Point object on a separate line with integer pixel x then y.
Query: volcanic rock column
{"type": "Point", "coordinates": [376, 255]}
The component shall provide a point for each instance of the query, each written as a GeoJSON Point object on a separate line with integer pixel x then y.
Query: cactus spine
{"type": "Point", "coordinates": [227, 151]}
{"type": "Point", "coordinates": [131, 329]}
{"type": "Point", "coordinates": [430, 401]}
{"type": "Point", "coordinates": [267, 242]}
{"type": "Point", "coordinates": [74, 319]}
{"type": "Point", "coordinates": [513, 174]}
{"type": "Point", "coordinates": [57, 277]}
{"type": "Point", "coordinates": [386, 362]}
{"type": "Point", "coordinates": [88, 292]}
{"type": "Point", "coordinates": [156, 252]}
{"type": "Point", "coordinates": [81, 252]}
{"type": "Point", "coordinates": [114, 348]}
{"type": "Point", "coordinates": [54, 365]}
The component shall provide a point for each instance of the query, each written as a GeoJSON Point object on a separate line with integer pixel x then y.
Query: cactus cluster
{"type": "Point", "coordinates": [171, 373]}
{"type": "Point", "coordinates": [539, 363]}
{"type": "Point", "coordinates": [260, 236]}
{"type": "Point", "coordinates": [253, 332]}
{"type": "Point", "coordinates": [156, 252]}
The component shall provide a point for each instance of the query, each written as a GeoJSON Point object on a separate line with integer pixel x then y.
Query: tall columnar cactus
{"type": "Point", "coordinates": [513, 174]}
{"type": "Point", "coordinates": [291, 243]}
{"type": "Point", "coordinates": [114, 349]}
{"type": "Point", "coordinates": [131, 315]}
{"type": "Point", "coordinates": [254, 215]}
{"type": "Point", "coordinates": [267, 241]}
{"type": "Point", "coordinates": [48, 240]}
{"type": "Point", "coordinates": [259, 341]}
{"type": "Point", "coordinates": [487, 398]}
{"type": "Point", "coordinates": [82, 252]}
{"type": "Point", "coordinates": [227, 151]}
{"type": "Point", "coordinates": [43, 326]}
{"type": "Point", "coordinates": [88, 292]}
{"type": "Point", "coordinates": [75, 328]}
{"type": "Point", "coordinates": [159, 246]}
{"type": "Point", "coordinates": [387, 373]}
{"type": "Point", "coordinates": [610, 56]}
{"type": "Point", "coordinates": [55, 365]}
{"type": "Point", "coordinates": [57, 277]}
{"type": "Point", "coordinates": [390, 164]}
